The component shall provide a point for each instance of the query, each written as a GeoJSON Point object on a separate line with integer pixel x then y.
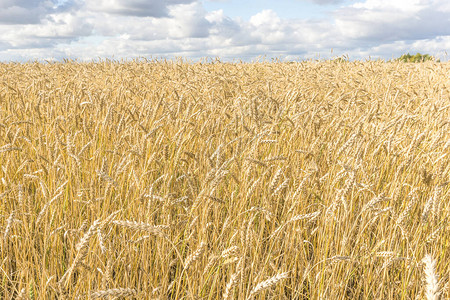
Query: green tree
{"type": "Point", "coordinates": [416, 58]}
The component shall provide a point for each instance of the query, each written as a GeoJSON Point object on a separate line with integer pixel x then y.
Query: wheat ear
{"type": "Point", "coordinates": [263, 285]}
{"type": "Point", "coordinates": [232, 283]}
{"type": "Point", "coordinates": [116, 293]}
{"type": "Point", "coordinates": [432, 289]}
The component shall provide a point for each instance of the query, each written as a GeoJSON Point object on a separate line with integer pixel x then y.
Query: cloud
{"type": "Point", "coordinates": [138, 8]}
{"type": "Point", "coordinates": [89, 29]}
{"type": "Point", "coordinates": [23, 12]}
{"type": "Point", "coordinates": [385, 21]}
{"type": "Point", "coordinates": [183, 21]}
{"type": "Point", "coordinates": [188, 21]}
{"type": "Point", "coordinates": [31, 11]}
{"type": "Point", "coordinates": [221, 25]}
{"type": "Point", "coordinates": [56, 28]}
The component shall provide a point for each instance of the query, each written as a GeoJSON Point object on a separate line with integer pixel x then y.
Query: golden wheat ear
{"type": "Point", "coordinates": [432, 289]}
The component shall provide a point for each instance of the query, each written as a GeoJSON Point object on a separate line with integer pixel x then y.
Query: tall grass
{"type": "Point", "coordinates": [171, 180]}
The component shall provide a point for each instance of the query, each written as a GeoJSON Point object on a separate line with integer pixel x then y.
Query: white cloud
{"type": "Point", "coordinates": [267, 18]}
{"type": "Point", "coordinates": [32, 11]}
{"type": "Point", "coordinates": [54, 29]}
{"type": "Point", "coordinates": [380, 20]}
{"type": "Point", "coordinates": [90, 29]}
{"type": "Point", "coordinates": [183, 21]}
{"type": "Point", "coordinates": [221, 24]}
{"type": "Point", "coordinates": [188, 21]}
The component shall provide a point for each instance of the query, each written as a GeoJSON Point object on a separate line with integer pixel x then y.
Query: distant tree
{"type": "Point", "coordinates": [416, 58]}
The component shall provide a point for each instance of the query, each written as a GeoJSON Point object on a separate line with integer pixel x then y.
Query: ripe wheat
{"type": "Point", "coordinates": [173, 179]}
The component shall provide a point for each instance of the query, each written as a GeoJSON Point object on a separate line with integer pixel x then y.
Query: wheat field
{"type": "Point", "coordinates": [188, 180]}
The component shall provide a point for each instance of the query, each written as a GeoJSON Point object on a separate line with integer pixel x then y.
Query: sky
{"type": "Point", "coordinates": [230, 30]}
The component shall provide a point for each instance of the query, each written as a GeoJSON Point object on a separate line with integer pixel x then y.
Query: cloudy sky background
{"type": "Point", "coordinates": [229, 29]}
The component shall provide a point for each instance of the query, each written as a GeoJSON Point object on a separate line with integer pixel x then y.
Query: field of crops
{"type": "Point", "coordinates": [175, 180]}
